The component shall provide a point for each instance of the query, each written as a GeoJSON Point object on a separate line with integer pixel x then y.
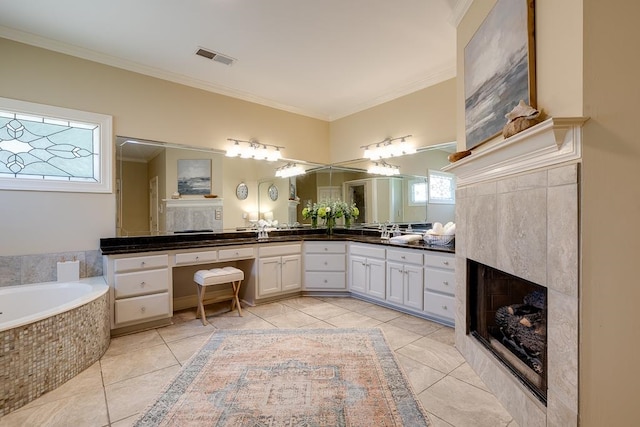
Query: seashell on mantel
{"type": "Point", "coordinates": [522, 110]}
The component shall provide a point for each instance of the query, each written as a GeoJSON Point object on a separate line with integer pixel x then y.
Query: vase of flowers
{"type": "Point", "coordinates": [311, 211]}
{"type": "Point", "coordinates": [330, 211]}
{"type": "Point", "coordinates": [350, 213]}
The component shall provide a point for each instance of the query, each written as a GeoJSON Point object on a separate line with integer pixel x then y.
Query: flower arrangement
{"type": "Point", "coordinates": [329, 211]}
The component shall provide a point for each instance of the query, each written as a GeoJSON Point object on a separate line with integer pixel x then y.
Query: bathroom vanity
{"type": "Point", "coordinates": [151, 277]}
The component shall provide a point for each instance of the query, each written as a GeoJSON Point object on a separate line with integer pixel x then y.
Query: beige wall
{"type": "Point", "coordinates": [609, 370]}
{"type": "Point", "coordinates": [586, 66]}
{"type": "Point", "coordinates": [429, 115]}
{"type": "Point", "coordinates": [142, 107]}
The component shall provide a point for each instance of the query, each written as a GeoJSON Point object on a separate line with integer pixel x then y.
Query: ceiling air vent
{"type": "Point", "coordinates": [215, 56]}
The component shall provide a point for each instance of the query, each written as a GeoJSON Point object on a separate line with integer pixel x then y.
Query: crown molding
{"type": "Point", "coordinates": [459, 10]}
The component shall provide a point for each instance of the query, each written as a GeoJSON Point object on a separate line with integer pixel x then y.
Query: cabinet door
{"type": "Point", "coordinates": [395, 282]}
{"type": "Point", "coordinates": [357, 274]}
{"type": "Point", "coordinates": [414, 289]}
{"type": "Point", "coordinates": [376, 278]}
{"type": "Point", "coordinates": [269, 270]}
{"type": "Point", "coordinates": [291, 272]}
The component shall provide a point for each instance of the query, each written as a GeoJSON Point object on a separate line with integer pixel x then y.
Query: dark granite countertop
{"type": "Point", "coordinates": [127, 245]}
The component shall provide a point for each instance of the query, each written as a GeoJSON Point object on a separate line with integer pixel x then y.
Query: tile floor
{"type": "Point", "coordinates": [135, 367]}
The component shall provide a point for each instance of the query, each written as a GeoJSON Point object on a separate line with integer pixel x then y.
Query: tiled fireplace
{"type": "Point", "coordinates": [517, 211]}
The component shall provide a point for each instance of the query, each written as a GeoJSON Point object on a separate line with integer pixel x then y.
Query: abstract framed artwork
{"type": "Point", "coordinates": [194, 177]}
{"type": "Point", "coordinates": [499, 69]}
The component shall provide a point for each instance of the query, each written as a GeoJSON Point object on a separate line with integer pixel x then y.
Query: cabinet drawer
{"type": "Point", "coordinates": [329, 262]}
{"type": "Point", "coordinates": [141, 263]}
{"type": "Point", "coordinates": [196, 257]}
{"type": "Point", "coordinates": [439, 260]}
{"type": "Point", "coordinates": [236, 253]}
{"type": "Point", "coordinates": [439, 280]}
{"type": "Point", "coordinates": [141, 283]}
{"type": "Point", "coordinates": [142, 308]}
{"type": "Point", "coordinates": [439, 305]}
{"type": "Point", "coordinates": [279, 250]}
{"type": "Point", "coordinates": [325, 280]}
{"type": "Point", "coordinates": [324, 247]}
{"type": "Point", "coordinates": [367, 251]}
{"type": "Point", "coordinates": [413, 257]}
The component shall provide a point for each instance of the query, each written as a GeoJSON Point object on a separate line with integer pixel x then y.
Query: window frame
{"type": "Point", "coordinates": [452, 178]}
{"type": "Point", "coordinates": [103, 184]}
{"type": "Point", "coordinates": [410, 184]}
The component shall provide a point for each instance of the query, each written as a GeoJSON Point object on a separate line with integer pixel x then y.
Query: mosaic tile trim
{"type": "Point", "coordinates": [41, 356]}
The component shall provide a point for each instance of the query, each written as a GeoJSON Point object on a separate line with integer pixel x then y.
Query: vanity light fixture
{"type": "Point", "coordinates": [290, 169]}
{"type": "Point", "coordinates": [253, 150]}
{"type": "Point", "coordinates": [384, 168]}
{"type": "Point", "coordinates": [387, 148]}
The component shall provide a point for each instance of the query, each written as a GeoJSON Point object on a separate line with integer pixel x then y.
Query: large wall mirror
{"type": "Point", "coordinates": [167, 188]}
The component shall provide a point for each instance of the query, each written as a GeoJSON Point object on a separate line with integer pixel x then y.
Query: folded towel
{"type": "Point", "coordinates": [406, 238]}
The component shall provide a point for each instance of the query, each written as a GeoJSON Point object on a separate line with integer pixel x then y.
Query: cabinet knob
{"type": "Point", "coordinates": [326, 249]}
{"type": "Point", "coordinates": [445, 262]}
{"type": "Point", "coordinates": [142, 263]}
{"type": "Point", "coordinates": [325, 280]}
{"type": "Point", "coordinates": [326, 263]}
{"type": "Point", "coordinates": [403, 257]}
{"type": "Point", "coordinates": [364, 263]}
{"type": "Point", "coordinates": [446, 283]}
{"type": "Point", "coordinates": [142, 284]}
{"type": "Point", "coordinates": [143, 309]}
{"type": "Point", "coordinates": [237, 253]}
{"type": "Point", "coordinates": [197, 258]}
{"type": "Point", "coordinates": [444, 307]}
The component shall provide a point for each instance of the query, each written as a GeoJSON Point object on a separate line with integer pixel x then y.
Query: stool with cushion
{"type": "Point", "coordinates": [215, 278]}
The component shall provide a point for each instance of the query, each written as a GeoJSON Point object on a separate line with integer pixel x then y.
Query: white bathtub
{"type": "Point", "coordinates": [20, 305]}
{"type": "Point", "coordinates": [49, 333]}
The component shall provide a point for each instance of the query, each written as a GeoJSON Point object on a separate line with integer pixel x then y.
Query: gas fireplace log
{"type": "Point", "coordinates": [525, 325]}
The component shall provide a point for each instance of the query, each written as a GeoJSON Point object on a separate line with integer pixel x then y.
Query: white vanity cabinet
{"type": "Point", "coordinates": [140, 290]}
{"type": "Point", "coordinates": [367, 273]}
{"type": "Point", "coordinates": [405, 283]}
{"type": "Point", "coordinates": [279, 270]}
{"type": "Point", "coordinates": [325, 266]}
{"type": "Point", "coordinates": [439, 283]}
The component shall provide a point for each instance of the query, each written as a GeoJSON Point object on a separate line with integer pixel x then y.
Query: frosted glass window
{"type": "Point", "coordinates": [442, 187]}
{"type": "Point", "coordinates": [51, 148]}
{"type": "Point", "coordinates": [418, 194]}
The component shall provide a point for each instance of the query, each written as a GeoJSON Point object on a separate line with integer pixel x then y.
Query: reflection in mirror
{"type": "Point", "coordinates": [147, 182]}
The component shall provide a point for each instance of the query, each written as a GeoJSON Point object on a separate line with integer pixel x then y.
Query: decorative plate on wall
{"type": "Point", "coordinates": [273, 192]}
{"type": "Point", "coordinates": [242, 191]}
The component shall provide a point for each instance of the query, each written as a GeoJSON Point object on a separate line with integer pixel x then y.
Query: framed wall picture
{"type": "Point", "coordinates": [194, 177]}
{"type": "Point", "coordinates": [499, 69]}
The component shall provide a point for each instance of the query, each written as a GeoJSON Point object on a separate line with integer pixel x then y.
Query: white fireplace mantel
{"type": "Point", "coordinates": [555, 141]}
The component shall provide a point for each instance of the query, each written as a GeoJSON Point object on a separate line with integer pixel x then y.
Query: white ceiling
{"type": "Point", "coordinates": [324, 59]}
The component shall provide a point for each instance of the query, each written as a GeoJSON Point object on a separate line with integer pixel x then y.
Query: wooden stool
{"type": "Point", "coordinates": [214, 277]}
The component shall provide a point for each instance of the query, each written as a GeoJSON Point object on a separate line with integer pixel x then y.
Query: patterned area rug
{"type": "Point", "coordinates": [293, 378]}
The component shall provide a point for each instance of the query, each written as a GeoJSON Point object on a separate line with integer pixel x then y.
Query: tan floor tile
{"type": "Point", "coordinates": [86, 382]}
{"type": "Point", "coordinates": [379, 313]}
{"type": "Point", "coordinates": [86, 409]}
{"type": "Point", "coordinates": [461, 404]}
{"type": "Point", "coordinates": [185, 348]}
{"type": "Point", "coordinates": [420, 376]}
{"type": "Point", "coordinates": [324, 310]}
{"type": "Point", "coordinates": [353, 320]}
{"type": "Point", "coordinates": [136, 363]}
{"type": "Point", "coordinates": [434, 354]}
{"type": "Point", "coordinates": [127, 422]}
{"type": "Point", "coordinates": [269, 310]}
{"type": "Point", "coordinates": [320, 324]}
{"type": "Point", "coordinates": [415, 324]}
{"type": "Point", "coordinates": [182, 330]}
{"type": "Point", "coordinates": [465, 373]}
{"type": "Point", "coordinates": [445, 335]}
{"type": "Point", "coordinates": [129, 397]}
{"type": "Point", "coordinates": [398, 337]}
{"type": "Point", "coordinates": [248, 321]}
{"type": "Point", "coordinates": [127, 343]}
{"type": "Point", "coordinates": [435, 421]}
{"type": "Point", "coordinates": [301, 302]}
{"type": "Point", "coordinates": [348, 303]}
{"type": "Point", "coordinates": [294, 319]}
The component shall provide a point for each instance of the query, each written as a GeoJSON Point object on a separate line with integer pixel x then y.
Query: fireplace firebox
{"type": "Point", "coordinates": [508, 315]}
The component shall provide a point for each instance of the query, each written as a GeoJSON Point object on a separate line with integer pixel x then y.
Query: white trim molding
{"type": "Point", "coordinates": [555, 141]}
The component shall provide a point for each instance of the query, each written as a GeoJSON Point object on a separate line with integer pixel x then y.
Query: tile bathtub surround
{"type": "Point", "coordinates": [41, 356]}
{"type": "Point", "coordinates": [26, 269]}
{"type": "Point", "coordinates": [526, 225]}
{"type": "Point", "coordinates": [136, 367]}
